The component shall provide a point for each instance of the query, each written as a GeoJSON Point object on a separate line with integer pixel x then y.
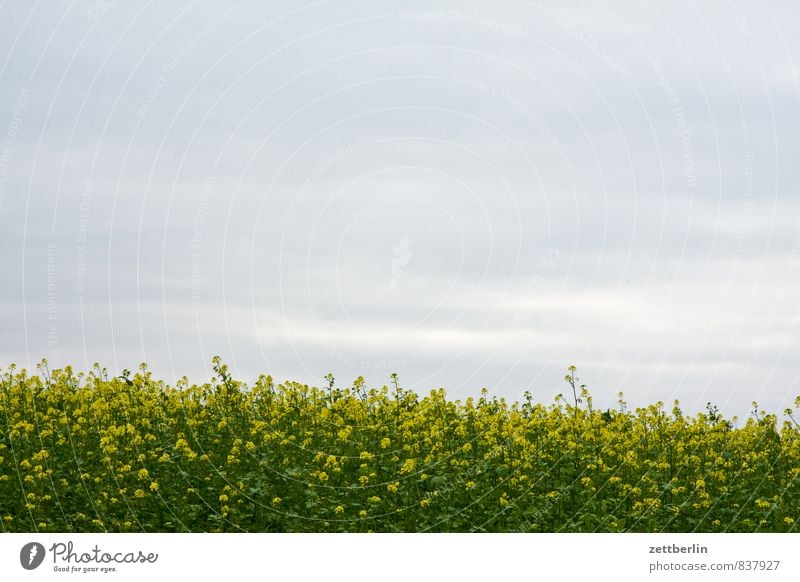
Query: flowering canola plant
{"type": "Point", "coordinates": [88, 453]}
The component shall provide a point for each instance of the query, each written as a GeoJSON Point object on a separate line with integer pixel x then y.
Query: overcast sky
{"type": "Point", "coordinates": [469, 194]}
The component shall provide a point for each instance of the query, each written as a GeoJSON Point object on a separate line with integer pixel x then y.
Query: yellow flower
{"type": "Point", "coordinates": [339, 509]}
{"type": "Point", "coordinates": [408, 466]}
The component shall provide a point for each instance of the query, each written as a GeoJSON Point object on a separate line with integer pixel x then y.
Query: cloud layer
{"type": "Point", "coordinates": [467, 195]}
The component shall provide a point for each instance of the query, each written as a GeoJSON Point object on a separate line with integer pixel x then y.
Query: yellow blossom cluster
{"type": "Point", "coordinates": [89, 452]}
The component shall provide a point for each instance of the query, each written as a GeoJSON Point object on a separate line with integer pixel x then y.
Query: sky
{"type": "Point", "coordinates": [470, 195]}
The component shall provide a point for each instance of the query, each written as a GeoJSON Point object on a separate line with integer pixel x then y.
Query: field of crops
{"type": "Point", "coordinates": [93, 453]}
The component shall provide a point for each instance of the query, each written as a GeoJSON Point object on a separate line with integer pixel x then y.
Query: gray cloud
{"type": "Point", "coordinates": [468, 195]}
